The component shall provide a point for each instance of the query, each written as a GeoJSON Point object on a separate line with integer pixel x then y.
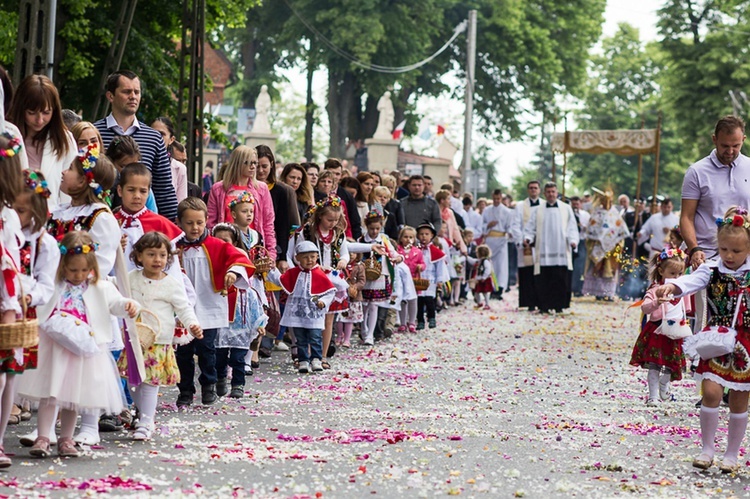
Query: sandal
{"type": "Point", "coordinates": [296, 364]}
{"type": "Point", "coordinates": [25, 414]}
{"type": "Point", "coordinates": [40, 448]}
{"type": "Point", "coordinates": [325, 364]}
{"type": "Point", "coordinates": [15, 415]}
{"type": "Point", "coordinates": [66, 447]}
{"type": "Point", "coordinates": [5, 461]}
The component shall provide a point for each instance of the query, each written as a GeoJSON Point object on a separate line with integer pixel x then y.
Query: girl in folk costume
{"type": "Point", "coordinates": [379, 289]}
{"type": "Point", "coordinates": [414, 260]}
{"type": "Point", "coordinates": [407, 294]}
{"type": "Point", "coordinates": [123, 151]}
{"type": "Point", "coordinates": [483, 276]}
{"type": "Point", "coordinates": [355, 278]}
{"type": "Point", "coordinates": [661, 355]}
{"type": "Point", "coordinates": [726, 282]}
{"type": "Point", "coordinates": [75, 369]}
{"type": "Point", "coordinates": [164, 296]}
{"type": "Point", "coordinates": [11, 235]}
{"type": "Point", "coordinates": [435, 272]}
{"type": "Point", "coordinates": [246, 322]}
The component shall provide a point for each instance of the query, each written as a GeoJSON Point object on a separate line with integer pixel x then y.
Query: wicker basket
{"type": "Point", "coordinates": [421, 284]}
{"type": "Point", "coordinates": [261, 260]}
{"type": "Point", "coordinates": [20, 334]}
{"type": "Point", "coordinates": [146, 333]}
{"type": "Point", "coordinates": [373, 269]}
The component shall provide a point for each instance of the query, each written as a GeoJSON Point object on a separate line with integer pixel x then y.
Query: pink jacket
{"type": "Point", "coordinates": [652, 306]}
{"type": "Point", "coordinates": [264, 214]}
{"type": "Point", "coordinates": [412, 258]}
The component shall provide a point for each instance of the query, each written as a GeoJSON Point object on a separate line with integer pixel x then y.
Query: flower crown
{"type": "Point", "coordinates": [14, 146]}
{"type": "Point", "coordinates": [737, 220]}
{"type": "Point", "coordinates": [670, 252]}
{"type": "Point", "coordinates": [373, 215]}
{"type": "Point", "coordinates": [330, 200]}
{"type": "Point", "coordinates": [35, 183]}
{"type": "Point", "coordinates": [77, 250]}
{"type": "Point", "coordinates": [245, 197]}
{"type": "Point", "coordinates": [88, 158]}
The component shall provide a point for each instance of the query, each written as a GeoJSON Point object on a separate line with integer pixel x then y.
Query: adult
{"type": "Point", "coordinates": [655, 232]}
{"type": "Point", "coordinates": [456, 204]}
{"type": "Point", "coordinates": [354, 188]}
{"type": "Point", "coordinates": [124, 95]}
{"type": "Point", "coordinates": [368, 181]}
{"type": "Point", "coordinates": [472, 218]}
{"type": "Point", "coordinates": [313, 171]}
{"type": "Point", "coordinates": [401, 191]}
{"type": "Point", "coordinates": [579, 256]}
{"type": "Point", "coordinates": [284, 203]}
{"type": "Point", "coordinates": [394, 212]}
{"type": "Point", "coordinates": [428, 184]}
{"type": "Point", "coordinates": [177, 151]}
{"type": "Point", "coordinates": [527, 296]}
{"type": "Point", "coordinates": [553, 230]}
{"type": "Point", "coordinates": [6, 99]}
{"type": "Point", "coordinates": [497, 221]}
{"type": "Point", "coordinates": [86, 134]}
{"type": "Point", "coordinates": [295, 176]}
{"type": "Point", "coordinates": [352, 215]}
{"type": "Point", "coordinates": [327, 186]}
{"type": "Point", "coordinates": [50, 147]}
{"type": "Point", "coordinates": [164, 126]}
{"type": "Point", "coordinates": [605, 235]}
{"type": "Point", "coordinates": [237, 176]}
{"type": "Point", "coordinates": [452, 229]}
{"type": "Point", "coordinates": [481, 205]}
{"type": "Point", "coordinates": [418, 208]}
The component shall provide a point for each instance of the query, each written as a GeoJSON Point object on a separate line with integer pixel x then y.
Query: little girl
{"type": "Point", "coordinates": [82, 300]}
{"type": "Point", "coordinates": [122, 151]}
{"type": "Point", "coordinates": [413, 259]}
{"type": "Point", "coordinates": [355, 273]}
{"type": "Point", "coordinates": [726, 285]}
{"type": "Point", "coordinates": [484, 285]}
{"type": "Point", "coordinates": [661, 355]}
{"type": "Point", "coordinates": [164, 296]}
{"type": "Point", "coordinates": [435, 271]}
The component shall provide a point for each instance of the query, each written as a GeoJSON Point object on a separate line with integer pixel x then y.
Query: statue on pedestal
{"type": "Point", "coordinates": [262, 108]}
{"type": "Point", "coordinates": [385, 117]}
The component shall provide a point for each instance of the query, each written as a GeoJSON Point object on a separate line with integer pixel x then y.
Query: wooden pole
{"type": "Point", "coordinates": [656, 163]}
{"type": "Point", "coordinates": [554, 168]}
{"type": "Point", "coordinates": [565, 155]}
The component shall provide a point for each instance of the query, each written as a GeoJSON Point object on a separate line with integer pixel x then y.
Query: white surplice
{"type": "Point", "coordinates": [553, 230]}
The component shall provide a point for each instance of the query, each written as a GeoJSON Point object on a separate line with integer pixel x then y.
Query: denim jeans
{"type": "Point", "coordinates": [312, 338]}
{"type": "Point", "coordinates": [234, 358]}
{"type": "Point", "coordinates": [205, 349]}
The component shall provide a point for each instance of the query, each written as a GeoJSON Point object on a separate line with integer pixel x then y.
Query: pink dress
{"type": "Point", "coordinates": [412, 257]}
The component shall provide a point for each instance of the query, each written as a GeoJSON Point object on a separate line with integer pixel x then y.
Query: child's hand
{"type": "Point", "coordinates": [666, 292]}
{"type": "Point", "coordinates": [261, 331]}
{"type": "Point", "coordinates": [123, 241]}
{"type": "Point", "coordinates": [341, 265]}
{"type": "Point", "coordinates": [131, 308]}
{"type": "Point", "coordinates": [320, 304]}
{"type": "Point", "coordinates": [420, 267]}
{"type": "Point", "coordinates": [196, 331]}
{"type": "Point", "coordinates": [229, 280]}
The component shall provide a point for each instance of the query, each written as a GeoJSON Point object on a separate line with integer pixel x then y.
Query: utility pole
{"type": "Point", "coordinates": [471, 52]}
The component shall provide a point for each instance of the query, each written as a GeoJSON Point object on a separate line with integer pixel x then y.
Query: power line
{"type": "Point", "coordinates": [376, 67]}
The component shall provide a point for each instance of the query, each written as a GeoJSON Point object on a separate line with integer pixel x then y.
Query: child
{"type": "Point", "coordinates": [435, 272]}
{"type": "Point", "coordinates": [484, 285]}
{"type": "Point", "coordinates": [413, 259]}
{"type": "Point", "coordinates": [213, 266]}
{"type": "Point", "coordinates": [662, 356]}
{"type": "Point", "coordinates": [164, 296]}
{"type": "Point", "coordinates": [136, 219]}
{"type": "Point", "coordinates": [83, 301]}
{"type": "Point", "coordinates": [355, 273]}
{"type": "Point", "coordinates": [246, 322]}
{"type": "Point", "coordinates": [724, 282]}
{"type": "Point", "coordinates": [310, 293]}
{"type": "Point", "coordinates": [471, 255]}
{"type": "Point", "coordinates": [122, 151]}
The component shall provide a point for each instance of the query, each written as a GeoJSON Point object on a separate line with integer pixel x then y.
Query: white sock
{"type": "Point", "coordinates": [148, 396]}
{"type": "Point", "coordinates": [653, 384]}
{"type": "Point", "coordinates": [90, 423]}
{"type": "Point", "coordinates": [735, 434]}
{"type": "Point", "coordinates": [709, 423]}
{"type": "Point", "coordinates": [664, 380]}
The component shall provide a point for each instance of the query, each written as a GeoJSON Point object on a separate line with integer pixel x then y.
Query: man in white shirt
{"type": "Point", "coordinates": [472, 218]}
{"type": "Point", "coordinates": [655, 231]}
{"type": "Point", "coordinates": [497, 221]}
{"type": "Point", "coordinates": [524, 209]}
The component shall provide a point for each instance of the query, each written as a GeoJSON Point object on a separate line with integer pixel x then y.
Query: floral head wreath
{"type": "Point", "coordinates": [738, 219]}
{"type": "Point", "coordinates": [245, 197]}
{"type": "Point", "coordinates": [78, 250]}
{"type": "Point", "coordinates": [330, 200]}
{"type": "Point", "coordinates": [225, 226]}
{"type": "Point", "coordinates": [35, 183]}
{"type": "Point", "coordinates": [373, 215]}
{"type": "Point", "coordinates": [670, 252]}
{"type": "Point", "coordinates": [88, 158]}
{"type": "Point", "coordinates": [14, 146]}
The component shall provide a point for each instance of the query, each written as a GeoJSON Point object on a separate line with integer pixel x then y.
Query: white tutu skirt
{"type": "Point", "coordinates": [80, 383]}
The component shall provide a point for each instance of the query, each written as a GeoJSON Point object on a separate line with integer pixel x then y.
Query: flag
{"type": "Point", "coordinates": [440, 129]}
{"type": "Point", "coordinates": [399, 131]}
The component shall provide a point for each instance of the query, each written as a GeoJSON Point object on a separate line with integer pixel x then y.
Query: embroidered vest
{"type": "Point", "coordinates": [58, 228]}
{"type": "Point", "coordinates": [723, 292]}
{"type": "Point", "coordinates": [335, 244]}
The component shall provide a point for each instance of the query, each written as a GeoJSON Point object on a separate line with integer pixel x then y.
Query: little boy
{"type": "Point", "coordinates": [310, 294]}
{"type": "Point", "coordinates": [213, 266]}
{"type": "Point", "coordinates": [435, 271]}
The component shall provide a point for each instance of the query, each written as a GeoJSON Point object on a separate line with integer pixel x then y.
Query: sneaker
{"type": "Point", "coordinates": [420, 326]}
{"type": "Point", "coordinates": [317, 365]}
{"type": "Point", "coordinates": [85, 438]}
{"type": "Point", "coordinates": [222, 387]}
{"type": "Point", "coordinates": [110, 422]}
{"type": "Point", "coordinates": [208, 394]}
{"type": "Point", "coordinates": [367, 343]}
{"type": "Point", "coordinates": [185, 399]}
{"type": "Point", "coordinates": [651, 403]}
{"type": "Point", "coordinates": [29, 439]}
{"type": "Point", "coordinates": [143, 432]}
{"type": "Point", "coordinates": [66, 447]}
{"type": "Point", "coordinates": [238, 391]}
{"type": "Point", "coordinates": [281, 347]}
{"type": "Point", "coordinates": [413, 328]}
{"type": "Point", "coordinates": [304, 367]}
{"type": "Point", "coordinates": [41, 447]}
{"type": "Point", "coordinates": [432, 323]}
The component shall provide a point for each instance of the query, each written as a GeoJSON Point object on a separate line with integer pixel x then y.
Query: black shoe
{"type": "Point", "coordinates": [208, 394]}
{"type": "Point", "coordinates": [699, 403]}
{"type": "Point", "coordinates": [185, 399]}
{"type": "Point", "coordinates": [264, 353]}
{"type": "Point", "coordinates": [238, 391]}
{"type": "Point", "coordinates": [110, 422]}
{"type": "Point", "coordinates": [331, 350]}
{"type": "Point", "coordinates": [222, 387]}
{"type": "Point", "coordinates": [254, 364]}
{"type": "Point", "coordinates": [558, 310]}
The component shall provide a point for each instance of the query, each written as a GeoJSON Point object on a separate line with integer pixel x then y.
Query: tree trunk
{"type": "Point", "coordinates": [309, 113]}
{"type": "Point", "coordinates": [339, 107]}
{"type": "Point", "coordinates": [248, 51]}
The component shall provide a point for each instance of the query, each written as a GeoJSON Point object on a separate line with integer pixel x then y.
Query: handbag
{"type": "Point", "coordinates": [71, 333]}
{"type": "Point", "coordinates": [674, 323]}
{"type": "Point", "coordinates": [713, 341]}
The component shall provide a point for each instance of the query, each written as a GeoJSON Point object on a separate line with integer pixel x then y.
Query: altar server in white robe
{"type": "Point", "coordinates": [524, 209]}
{"type": "Point", "coordinates": [553, 230]}
{"type": "Point", "coordinates": [497, 220]}
{"type": "Point", "coordinates": [656, 229]}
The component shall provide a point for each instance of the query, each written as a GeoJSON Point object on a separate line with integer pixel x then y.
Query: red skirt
{"type": "Point", "coordinates": [731, 370]}
{"type": "Point", "coordinates": [338, 306]}
{"type": "Point", "coordinates": [654, 348]}
{"type": "Point", "coordinates": [485, 286]}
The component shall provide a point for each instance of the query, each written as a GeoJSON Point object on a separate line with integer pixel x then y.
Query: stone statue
{"type": "Point", "coordinates": [385, 118]}
{"type": "Point", "coordinates": [262, 108]}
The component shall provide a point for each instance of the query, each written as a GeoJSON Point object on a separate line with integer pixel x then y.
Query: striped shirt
{"type": "Point", "coordinates": [153, 155]}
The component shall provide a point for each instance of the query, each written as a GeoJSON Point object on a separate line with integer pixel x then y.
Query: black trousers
{"type": "Point", "coordinates": [425, 303]}
{"type": "Point", "coordinates": [553, 287]}
{"type": "Point", "coordinates": [527, 287]}
{"type": "Point", "coordinates": [206, 351]}
{"type": "Point", "coordinates": [234, 358]}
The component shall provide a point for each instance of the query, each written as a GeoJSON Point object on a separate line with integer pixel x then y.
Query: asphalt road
{"type": "Point", "coordinates": [489, 404]}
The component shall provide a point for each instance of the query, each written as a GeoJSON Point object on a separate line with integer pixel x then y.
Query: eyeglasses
{"type": "Point", "coordinates": [251, 163]}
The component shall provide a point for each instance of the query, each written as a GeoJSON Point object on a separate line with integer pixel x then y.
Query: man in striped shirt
{"type": "Point", "coordinates": [124, 94]}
